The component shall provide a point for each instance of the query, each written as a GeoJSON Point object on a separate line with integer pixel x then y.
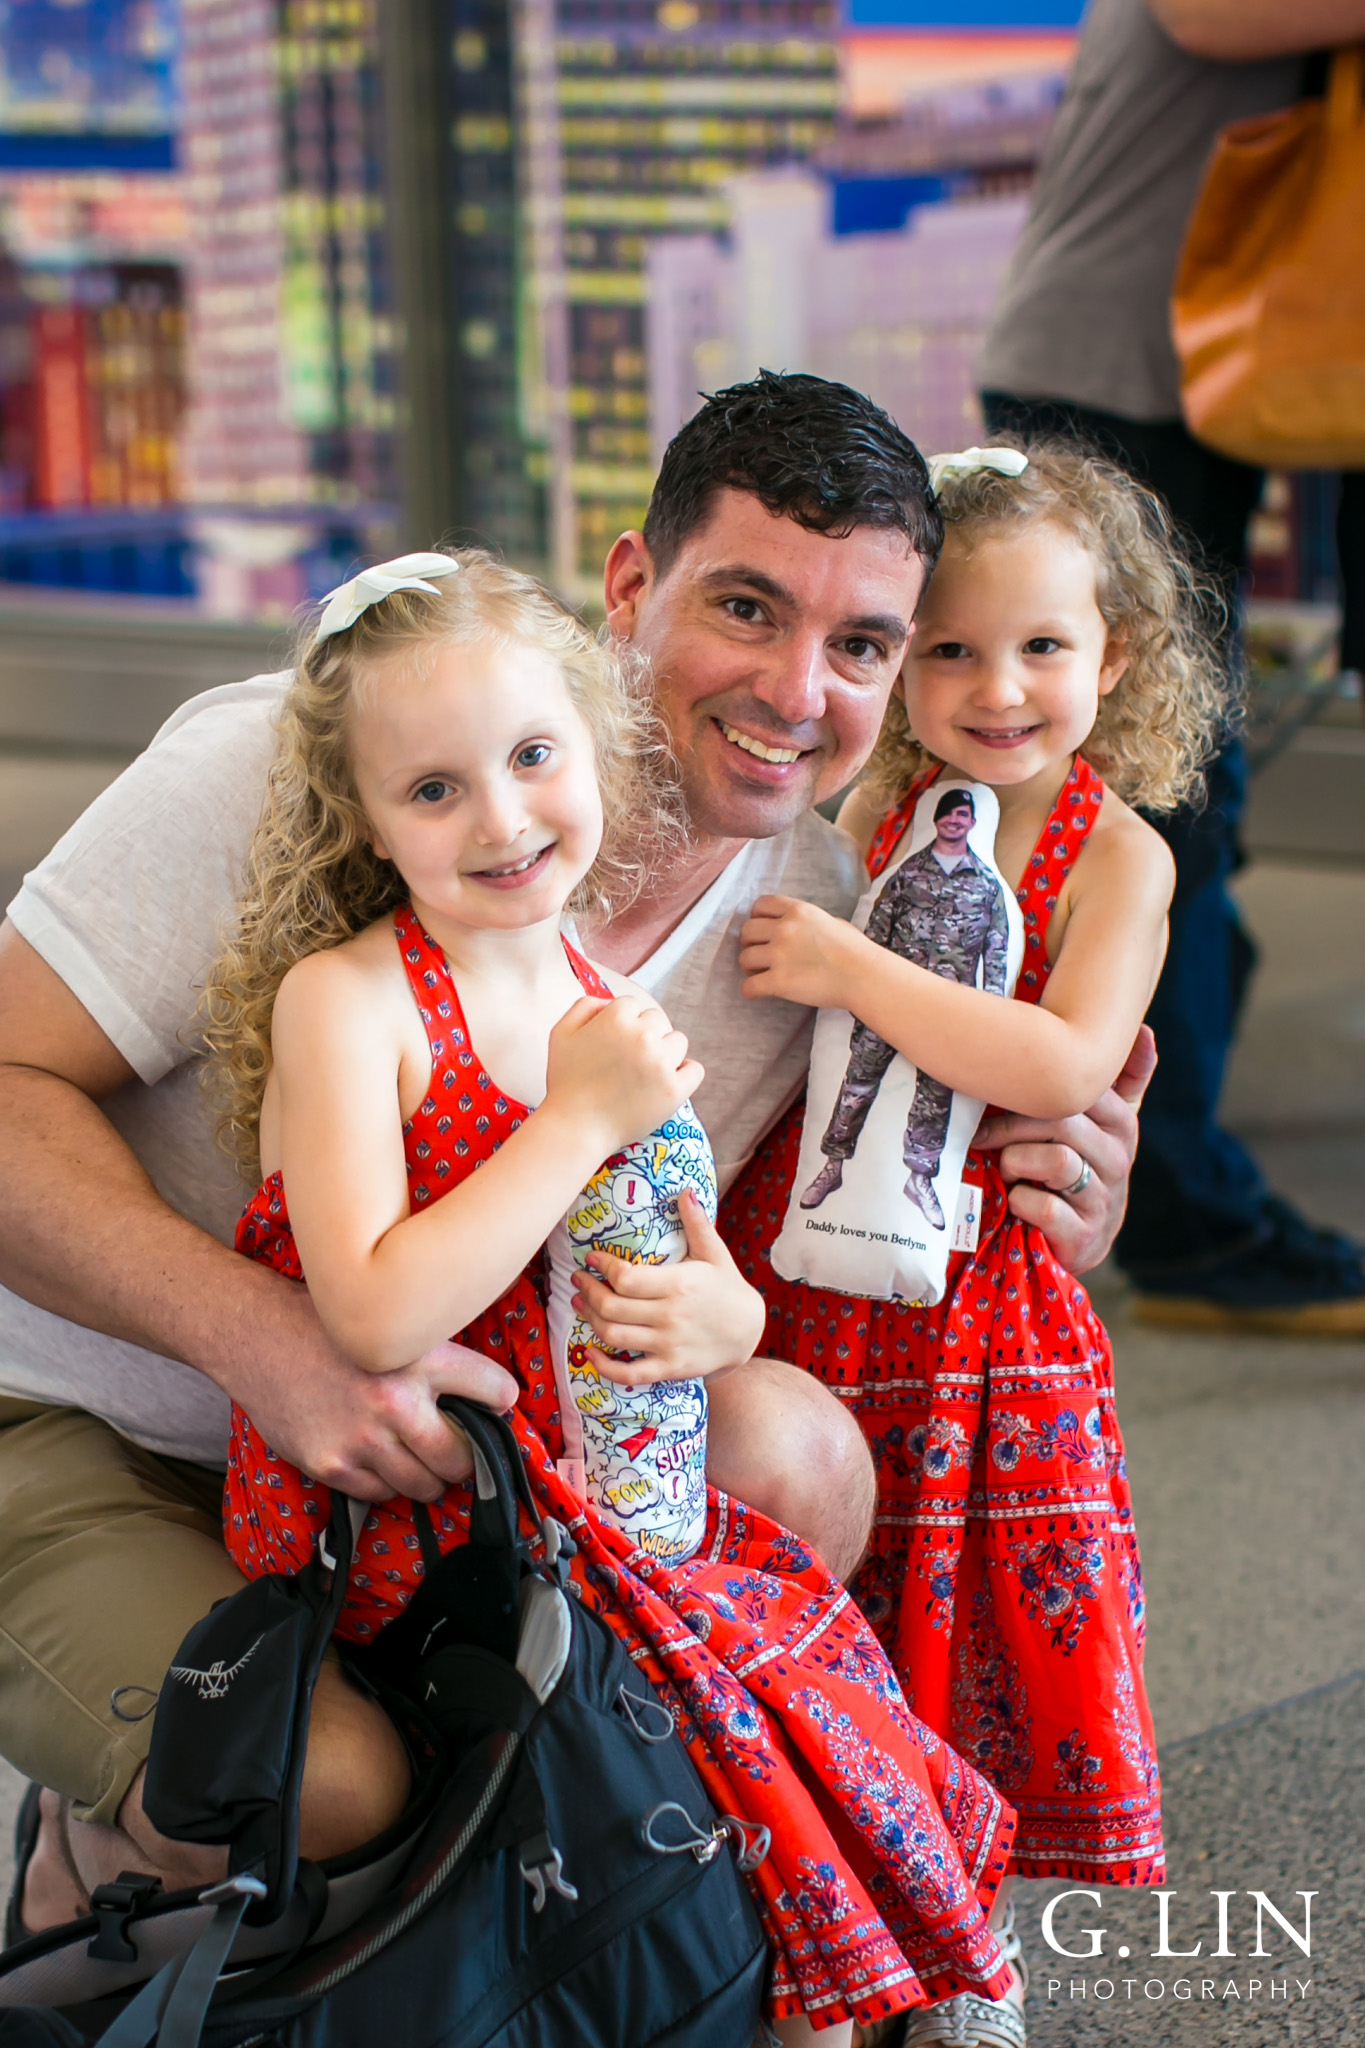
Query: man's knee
{"type": "Point", "coordinates": [356, 1782]}
{"type": "Point", "coordinates": [784, 1443]}
{"type": "Point", "coordinates": [356, 1777]}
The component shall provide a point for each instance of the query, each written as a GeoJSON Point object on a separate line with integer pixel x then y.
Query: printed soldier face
{"type": "Point", "coordinates": [952, 828]}
{"type": "Point", "coordinates": [1011, 657]}
{"type": "Point", "coordinates": [774, 651]}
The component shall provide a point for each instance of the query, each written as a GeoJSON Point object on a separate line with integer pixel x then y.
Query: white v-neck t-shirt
{"type": "Point", "coordinates": [129, 909]}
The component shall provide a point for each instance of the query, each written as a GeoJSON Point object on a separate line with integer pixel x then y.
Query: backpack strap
{"type": "Point", "coordinates": [231, 1733]}
{"type": "Point", "coordinates": [472, 1592]}
{"type": "Point", "coordinates": [497, 1458]}
{"type": "Point", "coordinates": [172, 2006]}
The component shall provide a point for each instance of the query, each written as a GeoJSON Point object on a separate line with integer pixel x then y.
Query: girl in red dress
{"type": "Point", "coordinates": [446, 754]}
{"type": "Point", "coordinates": [1058, 658]}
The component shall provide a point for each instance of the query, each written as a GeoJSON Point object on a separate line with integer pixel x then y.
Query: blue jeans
{"type": "Point", "coordinates": [1196, 1193]}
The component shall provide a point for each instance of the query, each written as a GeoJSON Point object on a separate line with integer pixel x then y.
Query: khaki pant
{"type": "Point", "coordinates": [108, 1556]}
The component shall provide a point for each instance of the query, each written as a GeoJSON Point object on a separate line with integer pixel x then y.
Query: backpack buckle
{"type": "Point", "coordinates": [559, 1548]}
{"type": "Point", "coordinates": [543, 1868]}
{"type": "Point", "coordinates": [116, 1904]}
{"type": "Point", "coordinates": [749, 1853]}
{"type": "Point", "coordinates": [706, 1843]}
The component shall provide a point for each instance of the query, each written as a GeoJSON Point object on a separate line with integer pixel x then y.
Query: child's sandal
{"type": "Point", "coordinates": [970, 2022]}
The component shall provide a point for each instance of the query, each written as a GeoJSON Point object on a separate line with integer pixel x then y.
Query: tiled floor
{"type": "Point", "coordinates": [1246, 1460]}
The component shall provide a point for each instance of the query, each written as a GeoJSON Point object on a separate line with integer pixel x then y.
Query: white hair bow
{"type": "Point", "coordinates": [1004, 461]}
{"type": "Point", "coordinates": [405, 572]}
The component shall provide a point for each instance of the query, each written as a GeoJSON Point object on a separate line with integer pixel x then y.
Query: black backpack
{"type": "Point", "coordinates": [560, 1880]}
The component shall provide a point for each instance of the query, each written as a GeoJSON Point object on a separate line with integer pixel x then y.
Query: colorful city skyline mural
{"type": "Point", "coordinates": [967, 14]}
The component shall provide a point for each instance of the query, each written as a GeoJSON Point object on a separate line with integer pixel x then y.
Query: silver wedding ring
{"type": "Point", "coordinates": [1081, 1182]}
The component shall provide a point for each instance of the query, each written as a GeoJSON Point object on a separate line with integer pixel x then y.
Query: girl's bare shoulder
{"type": "Point", "coordinates": [622, 985]}
{"type": "Point", "coordinates": [619, 984]}
{"type": "Point", "coordinates": [367, 968]}
{"type": "Point", "coordinates": [860, 814]}
{"type": "Point", "coordinates": [1123, 849]}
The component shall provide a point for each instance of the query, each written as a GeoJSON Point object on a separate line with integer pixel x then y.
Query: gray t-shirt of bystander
{"type": "Point", "coordinates": [1084, 311]}
{"type": "Point", "coordinates": [129, 908]}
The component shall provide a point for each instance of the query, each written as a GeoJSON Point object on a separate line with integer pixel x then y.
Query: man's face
{"type": "Point", "coordinates": [774, 650]}
{"type": "Point", "coordinates": [954, 826]}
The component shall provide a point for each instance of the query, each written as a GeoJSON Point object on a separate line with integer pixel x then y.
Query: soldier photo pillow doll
{"type": "Point", "coordinates": [880, 1217]}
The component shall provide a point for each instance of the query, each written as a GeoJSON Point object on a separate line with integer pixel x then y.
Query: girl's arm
{"type": "Point", "coordinates": [1050, 1059]}
{"type": "Point", "coordinates": [388, 1284]}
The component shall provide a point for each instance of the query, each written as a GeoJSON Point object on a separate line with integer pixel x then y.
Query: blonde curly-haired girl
{"type": "Point", "coordinates": [460, 762]}
{"type": "Point", "coordinates": [1063, 658]}
{"type": "Point", "coordinates": [314, 876]}
{"type": "Point", "coordinates": [1161, 720]}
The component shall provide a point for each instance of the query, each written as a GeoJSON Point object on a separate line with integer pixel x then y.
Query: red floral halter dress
{"type": "Point", "coordinates": [887, 1848]}
{"type": "Point", "coordinates": [1003, 1575]}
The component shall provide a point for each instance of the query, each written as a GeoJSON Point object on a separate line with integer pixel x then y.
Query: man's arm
{"type": "Point", "coordinates": [84, 1234]}
{"type": "Point", "coordinates": [1238, 31]}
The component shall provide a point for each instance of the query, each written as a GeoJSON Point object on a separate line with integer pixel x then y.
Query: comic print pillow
{"type": "Point", "coordinates": [879, 1200]}
{"type": "Point", "coordinates": [637, 1453]}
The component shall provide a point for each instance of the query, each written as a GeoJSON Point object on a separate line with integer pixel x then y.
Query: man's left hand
{"type": "Point", "coordinates": [1044, 1162]}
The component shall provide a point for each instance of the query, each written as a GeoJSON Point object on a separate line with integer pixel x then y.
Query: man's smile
{"type": "Point", "coordinates": [760, 749]}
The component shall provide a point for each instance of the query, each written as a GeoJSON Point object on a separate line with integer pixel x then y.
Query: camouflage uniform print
{"type": "Point", "coordinates": [950, 922]}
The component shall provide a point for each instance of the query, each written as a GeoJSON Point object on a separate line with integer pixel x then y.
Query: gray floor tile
{"type": "Point", "coordinates": [1298, 1070]}
{"type": "Point", "coordinates": [1272, 1805]}
{"type": "Point", "coordinates": [1245, 1460]}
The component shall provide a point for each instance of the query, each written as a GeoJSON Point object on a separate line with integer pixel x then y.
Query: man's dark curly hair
{"type": "Point", "coordinates": [809, 450]}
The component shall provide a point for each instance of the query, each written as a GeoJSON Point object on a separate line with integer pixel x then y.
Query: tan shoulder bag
{"type": "Point", "coordinates": [1269, 306]}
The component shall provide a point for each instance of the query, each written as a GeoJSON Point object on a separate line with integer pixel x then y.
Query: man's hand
{"type": "Point", "coordinates": [373, 1435]}
{"type": "Point", "coordinates": [694, 1317]}
{"type": "Point", "coordinates": [85, 1235]}
{"type": "Point", "coordinates": [1043, 1160]}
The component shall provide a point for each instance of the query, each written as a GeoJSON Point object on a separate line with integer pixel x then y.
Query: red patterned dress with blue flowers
{"type": "Point", "coordinates": [1003, 1575]}
{"type": "Point", "coordinates": [887, 1848]}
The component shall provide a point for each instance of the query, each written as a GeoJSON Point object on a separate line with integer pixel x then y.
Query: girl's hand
{"type": "Point", "coordinates": [618, 1065]}
{"type": "Point", "coordinates": [687, 1320]}
{"type": "Point", "coordinates": [798, 951]}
